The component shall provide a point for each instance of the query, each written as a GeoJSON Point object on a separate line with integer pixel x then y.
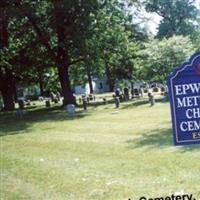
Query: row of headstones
{"type": "Point", "coordinates": [70, 108]}
{"type": "Point", "coordinates": [23, 103]}
{"type": "Point", "coordinates": [137, 92]}
{"type": "Point", "coordinates": [118, 97]}
{"type": "Point", "coordinates": [85, 100]}
{"type": "Point", "coordinates": [150, 97]}
{"type": "Point", "coordinates": [88, 98]}
{"type": "Point", "coordinates": [127, 93]}
{"type": "Point", "coordinates": [160, 89]}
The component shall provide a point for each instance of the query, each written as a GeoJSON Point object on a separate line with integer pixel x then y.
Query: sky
{"type": "Point", "coordinates": [149, 21]}
{"type": "Point", "coordinates": [152, 23]}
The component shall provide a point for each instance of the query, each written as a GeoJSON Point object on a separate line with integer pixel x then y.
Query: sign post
{"type": "Point", "coordinates": [184, 95]}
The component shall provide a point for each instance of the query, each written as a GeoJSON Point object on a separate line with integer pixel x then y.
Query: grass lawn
{"type": "Point", "coordinates": [99, 154]}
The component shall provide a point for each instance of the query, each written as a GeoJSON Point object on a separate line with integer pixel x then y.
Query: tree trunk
{"type": "Point", "coordinates": [41, 88]}
{"type": "Point", "coordinates": [110, 80]}
{"type": "Point", "coordinates": [132, 85]}
{"type": "Point", "coordinates": [90, 83]}
{"type": "Point", "coordinates": [111, 86]}
{"type": "Point", "coordinates": [8, 99]}
{"type": "Point", "coordinates": [62, 59]}
{"type": "Point", "coordinates": [60, 55]}
{"type": "Point", "coordinates": [15, 93]}
{"type": "Point", "coordinates": [6, 77]}
{"type": "Point", "coordinates": [65, 85]}
{"type": "Point", "coordinates": [7, 88]}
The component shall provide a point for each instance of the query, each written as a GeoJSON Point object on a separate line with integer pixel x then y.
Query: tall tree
{"type": "Point", "coordinates": [110, 49]}
{"type": "Point", "coordinates": [6, 76]}
{"type": "Point", "coordinates": [13, 44]}
{"type": "Point", "coordinates": [119, 43]}
{"type": "Point", "coordinates": [178, 16]}
{"type": "Point", "coordinates": [58, 25]}
{"type": "Point", "coordinates": [20, 52]}
{"type": "Point", "coordinates": [160, 57]}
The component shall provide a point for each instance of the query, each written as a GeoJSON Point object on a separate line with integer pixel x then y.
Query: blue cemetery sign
{"type": "Point", "coordinates": [184, 95]}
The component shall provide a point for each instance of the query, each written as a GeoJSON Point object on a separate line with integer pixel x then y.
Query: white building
{"type": "Point", "coordinates": [99, 86]}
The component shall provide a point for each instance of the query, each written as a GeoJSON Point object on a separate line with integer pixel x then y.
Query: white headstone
{"type": "Point", "coordinates": [70, 108]}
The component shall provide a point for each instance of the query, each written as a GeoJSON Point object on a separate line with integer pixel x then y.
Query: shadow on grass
{"type": "Point", "coordinates": [124, 104]}
{"type": "Point", "coordinates": [160, 138]}
{"type": "Point", "coordinates": [140, 102]}
{"type": "Point", "coordinates": [157, 138]}
{"type": "Point", "coordinates": [95, 104]}
{"type": "Point", "coordinates": [10, 125]}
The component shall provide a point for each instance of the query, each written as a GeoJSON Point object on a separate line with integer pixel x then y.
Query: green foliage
{"type": "Point", "coordinates": [160, 57]}
{"type": "Point", "coordinates": [118, 44]}
{"type": "Point", "coordinates": [94, 38]}
{"type": "Point", "coordinates": [196, 38]}
{"type": "Point", "coordinates": [111, 47]}
{"type": "Point", "coordinates": [178, 16]}
{"type": "Point", "coordinates": [23, 55]}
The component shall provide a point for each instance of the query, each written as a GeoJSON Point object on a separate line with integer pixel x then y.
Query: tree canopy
{"type": "Point", "coordinates": [178, 16]}
{"type": "Point", "coordinates": [72, 41]}
{"type": "Point", "coordinates": [164, 55]}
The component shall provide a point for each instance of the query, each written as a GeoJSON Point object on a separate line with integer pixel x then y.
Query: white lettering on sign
{"type": "Point", "coordinates": [190, 126]}
{"type": "Point", "coordinates": [185, 88]}
{"type": "Point", "coordinates": [191, 102]}
{"type": "Point", "coordinates": [193, 113]}
{"type": "Point", "coordinates": [188, 101]}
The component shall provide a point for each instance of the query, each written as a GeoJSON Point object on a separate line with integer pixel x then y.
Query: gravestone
{"type": "Point", "coordinates": [84, 103]}
{"type": "Point", "coordinates": [28, 102]}
{"type": "Point", "coordinates": [104, 101]}
{"type": "Point", "coordinates": [163, 89]}
{"type": "Point", "coordinates": [136, 92]}
{"type": "Point", "coordinates": [184, 96]}
{"type": "Point", "coordinates": [141, 92]}
{"type": "Point", "coordinates": [126, 94]}
{"type": "Point", "coordinates": [48, 103]}
{"type": "Point", "coordinates": [21, 104]}
{"type": "Point", "coordinates": [117, 92]}
{"type": "Point", "coordinates": [117, 102]}
{"type": "Point", "coordinates": [55, 100]}
{"type": "Point", "coordinates": [90, 97]}
{"type": "Point", "coordinates": [151, 99]}
{"type": "Point", "coordinates": [19, 113]}
{"type": "Point", "coordinates": [155, 89]}
{"type": "Point", "coordinates": [52, 96]}
{"type": "Point", "coordinates": [58, 95]}
{"type": "Point", "coordinates": [70, 109]}
{"type": "Point", "coordinates": [146, 90]}
{"type": "Point", "coordinates": [41, 98]}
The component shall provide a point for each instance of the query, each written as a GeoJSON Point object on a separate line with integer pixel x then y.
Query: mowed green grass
{"type": "Point", "coordinates": [100, 154]}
